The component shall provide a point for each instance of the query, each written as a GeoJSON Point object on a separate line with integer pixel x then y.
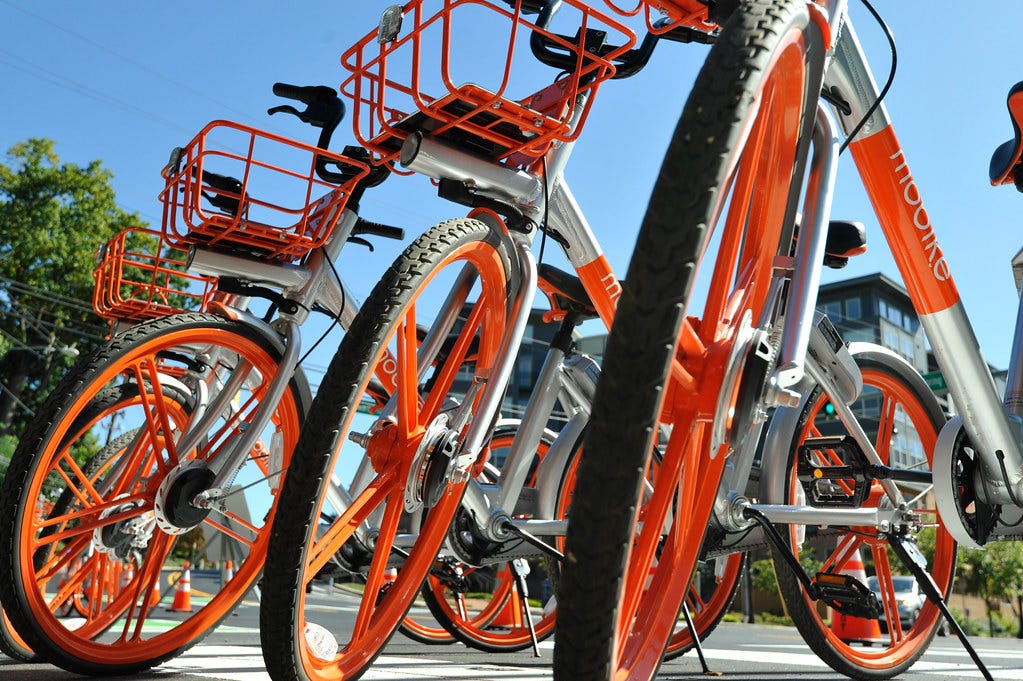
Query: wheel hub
{"type": "Point", "coordinates": [175, 512]}
{"type": "Point", "coordinates": [431, 466]}
{"type": "Point", "coordinates": [118, 539]}
{"type": "Point", "coordinates": [966, 516]}
{"type": "Point", "coordinates": [739, 400]}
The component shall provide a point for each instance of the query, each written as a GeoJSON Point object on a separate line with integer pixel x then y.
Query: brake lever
{"type": "Point", "coordinates": [286, 108]}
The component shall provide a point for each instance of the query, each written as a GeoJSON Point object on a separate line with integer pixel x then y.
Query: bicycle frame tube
{"type": "Point", "coordinates": [925, 271]}
{"type": "Point", "coordinates": [573, 381]}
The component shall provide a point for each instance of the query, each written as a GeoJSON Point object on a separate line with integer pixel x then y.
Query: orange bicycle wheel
{"type": "Point", "coordinates": [678, 381]}
{"type": "Point", "coordinates": [396, 463]}
{"type": "Point", "coordinates": [708, 600]}
{"type": "Point", "coordinates": [899, 413]}
{"type": "Point", "coordinates": [481, 607]}
{"type": "Point", "coordinates": [188, 386]}
{"type": "Point", "coordinates": [11, 643]}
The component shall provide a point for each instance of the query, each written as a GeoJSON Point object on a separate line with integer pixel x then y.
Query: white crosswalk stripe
{"type": "Point", "coordinates": [246, 664]}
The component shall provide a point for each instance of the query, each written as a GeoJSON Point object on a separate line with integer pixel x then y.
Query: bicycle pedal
{"type": "Point", "coordinates": [847, 595]}
{"type": "Point", "coordinates": [831, 485]}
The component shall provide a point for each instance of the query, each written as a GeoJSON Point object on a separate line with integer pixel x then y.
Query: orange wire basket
{"type": "Point", "coordinates": [238, 188]}
{"type": "Point", "coordinates": [663, 16]}
{"type": "Point", "coordinates": [140, 276]}
{"type": "Point", "coordinates": [449, 73]}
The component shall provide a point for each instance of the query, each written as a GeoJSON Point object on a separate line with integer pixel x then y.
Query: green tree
{"type": "Point", "coordinates": [53, 218]}
{"type": "Point", "coordinates": [994, 573]}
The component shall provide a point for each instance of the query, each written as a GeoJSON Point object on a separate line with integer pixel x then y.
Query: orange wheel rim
{"type": "Point", "coordinates": [382, 496]}
{"type": "Point", "coordinates": [109, 596]}
{"type": "Point", "coordinates": [898, 645]}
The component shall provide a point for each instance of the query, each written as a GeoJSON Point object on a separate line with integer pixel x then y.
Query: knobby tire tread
{"type": "Point", "coordinates": [310, 469]}
{"type": "Point", "coordinates": [650, 310]}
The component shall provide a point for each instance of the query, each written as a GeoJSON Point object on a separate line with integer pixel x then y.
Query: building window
{"type": "Point", "coordinates": [833, 310]}
{"type": "Point", "coordinates": [852, 308]}
{"type": "Point", "coordinates": [890, 339]}
{"type": "Point", "coordinates": [859, 334]}
{"type": "Point", "coordinates": [906, 347]}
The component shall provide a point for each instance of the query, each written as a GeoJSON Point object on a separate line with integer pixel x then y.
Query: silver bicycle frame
{"type": "Point", "coordinates": [992, 432]}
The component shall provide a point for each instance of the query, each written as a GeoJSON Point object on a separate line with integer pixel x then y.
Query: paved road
{"type": "Point", "coordinates": [740, 651]}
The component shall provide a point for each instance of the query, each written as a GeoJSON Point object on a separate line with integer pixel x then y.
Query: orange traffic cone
{"type": "Point", "coordinates": [847, 627]}
{"type": "Point", "coordinates": [155, 595]}
{"type": "Point", "coordinates": [510, 614]}
{"type": "Point", "coordinates": [127, 574]}
{"type": "Point", "coordinates": [183, 594]}
{"type": "Point", "coordinates": [228, 571]}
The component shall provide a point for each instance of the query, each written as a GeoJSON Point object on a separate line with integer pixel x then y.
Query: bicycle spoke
{"type": "Point", "coordinates": [886, 425]}
{"type": "Point", "coordinates": [226, 529]}
{"type": "Point", "coordinates": [886, 586]}
{"type": "Point", "coordinates": [159, 549]}
{"type": "Point", "coordinates": [147, 370]}
{"type": "Point", "coordinates": [323, 549]}
{"type": "Point", "coordinates": [407, 390]}
{"type": "Point", "coordinates": [375, 579]}
{"type": "Point", "coordinates": [61, 560]}
{"type": "Point", "coordinates": [90, 518]}
{"type": "Point", "coordinates": [456, 358]}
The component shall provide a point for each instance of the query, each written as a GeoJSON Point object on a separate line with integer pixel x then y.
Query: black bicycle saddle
{"type": "Point", "coordinates": [1006, 158]}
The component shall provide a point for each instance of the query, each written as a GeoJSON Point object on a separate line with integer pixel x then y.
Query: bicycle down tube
{"type": "Point", "coordinates": [928, 277]}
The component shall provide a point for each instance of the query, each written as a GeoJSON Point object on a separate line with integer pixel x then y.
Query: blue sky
{"type": "Point", "coordinates": [125, 82]}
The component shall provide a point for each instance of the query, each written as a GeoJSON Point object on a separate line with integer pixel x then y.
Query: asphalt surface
{"type": "Point", "coordinates": [737, 651]}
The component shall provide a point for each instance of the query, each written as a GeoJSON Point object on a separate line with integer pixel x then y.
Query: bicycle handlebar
{"type": "Point", "coordinates": [376, 229]}
{"type": "Point", "coordinates": [551, 53]}
{"type": "Point", "coordinates": [324, 110]}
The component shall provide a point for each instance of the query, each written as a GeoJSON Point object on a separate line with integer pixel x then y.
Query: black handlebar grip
{"type": "Point", "coordinates": [289, 91]}
{"type": "Point", "coordinates": [376, 229]}
{"type": "Point", "coordinates": [307, 94]}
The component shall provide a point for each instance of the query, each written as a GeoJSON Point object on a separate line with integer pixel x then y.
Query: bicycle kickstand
{"type": "Point", "coordinates": [520, 568]}
{"type": "Point", "coordinates": [696, 641]}
{"type": "Point", "coordinates": [914, 561]}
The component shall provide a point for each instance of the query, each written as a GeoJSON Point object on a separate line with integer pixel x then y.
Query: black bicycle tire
{"type": "Point", "coordinates": [349, 370]}
{"type": "Point", "coordinates": [650, 311]}
{"type": "Point", "coordinates": [11, 647]}
{"type": "Point", "coordinates": [64, 396]}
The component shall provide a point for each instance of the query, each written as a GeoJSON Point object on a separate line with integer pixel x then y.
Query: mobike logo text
{"type": "Point", "coordinates": [613, 288]}
{"type": "Point", "coordinates": [928, 239]}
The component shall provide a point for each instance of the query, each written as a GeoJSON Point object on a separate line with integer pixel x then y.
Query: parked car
{"type": "Point", "coordinates": [908, 596]}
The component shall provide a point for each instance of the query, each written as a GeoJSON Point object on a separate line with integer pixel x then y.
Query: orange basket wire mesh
{"type": "Point", "coordinates": [140, 276]}
{"type": "Point", "coordinates": [663, 16]}
{"type": "Point", "coordinates": [449, 73]}
{"type": "Point", "coordinates": [236, 187]}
